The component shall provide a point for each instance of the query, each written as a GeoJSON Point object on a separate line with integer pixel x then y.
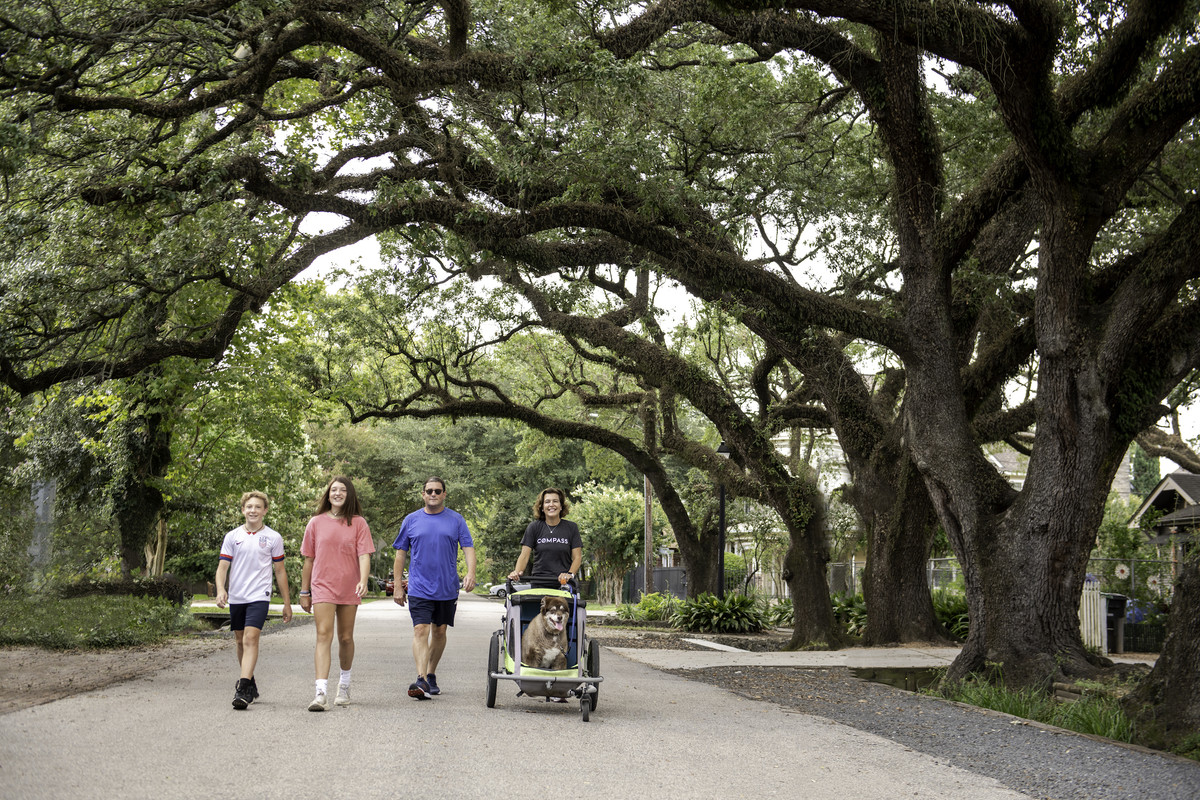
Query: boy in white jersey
{"type": "Point", "coordinates": [248, 555]}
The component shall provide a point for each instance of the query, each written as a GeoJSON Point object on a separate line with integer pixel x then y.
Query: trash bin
{"type": "Point", "coordinates": [1114, 610]}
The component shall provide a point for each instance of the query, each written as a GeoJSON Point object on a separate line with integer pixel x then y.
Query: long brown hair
{"type": "Point", "coordinates": [350, 509]}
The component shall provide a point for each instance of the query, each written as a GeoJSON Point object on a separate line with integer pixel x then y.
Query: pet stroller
{"type": "Point", "coordinates": [580, 679]}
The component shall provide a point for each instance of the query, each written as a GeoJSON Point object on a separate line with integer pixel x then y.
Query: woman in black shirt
{"type": "Point", "coordinates": [554, 543]}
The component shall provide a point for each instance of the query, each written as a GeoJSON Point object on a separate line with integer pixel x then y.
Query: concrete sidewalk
{"type": "Point", "coordinates": [857, 657]}
{"type": "Point", "coordinates": [853, 657]}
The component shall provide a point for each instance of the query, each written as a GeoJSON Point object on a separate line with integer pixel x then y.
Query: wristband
{"type": "Point", "coordinates": [305, 594]}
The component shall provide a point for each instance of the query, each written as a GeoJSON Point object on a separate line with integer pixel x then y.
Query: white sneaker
{"type": "Point", "coordinates": [343, 696]}
{"type": "Point", "coordinates": [318, 703]}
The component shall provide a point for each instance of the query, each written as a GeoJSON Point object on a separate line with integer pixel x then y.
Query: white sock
{"type": "Point", "coordinates": [345, 679]}
{"type": "Point", "coordinates": [322, 685]}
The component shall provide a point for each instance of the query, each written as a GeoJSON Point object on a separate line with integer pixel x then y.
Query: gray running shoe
{"type": "Point", "coordinates": [318, 703]}
{"type": "Point", "coordinates": [343, 695]}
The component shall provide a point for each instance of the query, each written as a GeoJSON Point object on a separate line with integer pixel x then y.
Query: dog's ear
{"type": "Point", "coordinates": [545, 602]}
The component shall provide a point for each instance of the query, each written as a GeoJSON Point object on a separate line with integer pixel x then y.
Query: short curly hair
{"type": "Point", "coordinates": [255, 493]}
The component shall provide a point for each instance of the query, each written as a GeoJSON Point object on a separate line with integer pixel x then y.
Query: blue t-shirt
{"type": "Point", "coordinates": [432, 542]}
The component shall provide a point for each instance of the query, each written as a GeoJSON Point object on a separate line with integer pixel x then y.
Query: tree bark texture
{"type": "Point", "coordinates": [1165, 707]}
{"type": "Point", "coordinates": [900, 528]}
{"type": "Point", "coordinates": [804, 570]}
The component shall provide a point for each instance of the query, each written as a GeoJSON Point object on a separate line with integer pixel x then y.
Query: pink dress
{"type": "Point", "coordinates": [335, 547]}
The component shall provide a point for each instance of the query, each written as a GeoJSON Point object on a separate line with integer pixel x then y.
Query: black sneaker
{"type": "Point", "coordinates": [241, 694]}
{"type": "Point", "coordinates": [253, 689]}
{"type": "Point", "coordinates": [432, 681]}
{"type": "Point", "coordinates": [420, 689]}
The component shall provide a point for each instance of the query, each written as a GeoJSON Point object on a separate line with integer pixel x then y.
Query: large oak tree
{"type": "Point", "coordinates": [537, 141]}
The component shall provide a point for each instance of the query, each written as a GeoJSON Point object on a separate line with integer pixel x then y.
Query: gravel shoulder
{"type": "Point", "coordinates": [1038, 760]}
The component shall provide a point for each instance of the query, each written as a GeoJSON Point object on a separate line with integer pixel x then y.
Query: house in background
{"type": "Point", "coordinates": [1013, 466]}
{"type": "Point", "coordinates": [1175, 506]}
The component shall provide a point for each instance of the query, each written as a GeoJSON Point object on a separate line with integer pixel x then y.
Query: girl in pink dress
{"type": "Point", "coordinates": [337, 551]}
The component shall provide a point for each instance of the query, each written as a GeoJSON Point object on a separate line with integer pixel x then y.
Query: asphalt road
{"type": "Point", "coordinates": [654, 735]}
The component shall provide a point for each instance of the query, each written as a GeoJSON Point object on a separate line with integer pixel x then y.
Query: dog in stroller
{"type": "Point", "coordinates": [544, 643]}
{"type": "Point", "coordinates": [544, 660]}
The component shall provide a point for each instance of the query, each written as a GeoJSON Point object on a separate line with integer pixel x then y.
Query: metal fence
{"type": "Point", "coordinates": [1147, 580]}
{"type": "Point", "coordinates": [1147, 583]}
{"type": "Point", "coordinates": [845, 577]}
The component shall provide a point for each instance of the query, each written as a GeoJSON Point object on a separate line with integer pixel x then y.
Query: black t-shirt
{"type": "Point", "coordinates": [551, 546]}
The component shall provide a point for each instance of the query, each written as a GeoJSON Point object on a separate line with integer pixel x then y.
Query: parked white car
{"type": "Point", "coordinates": [498, 590]}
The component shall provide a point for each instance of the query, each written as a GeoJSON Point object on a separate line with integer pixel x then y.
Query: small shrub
{"type": "Point", "coordinates": [653, 606]}
{"type": "Point", "coordinates": [781, 614]}
{"type": "Point", "coordinates": [950, 608]}
{"type": "Point", "coordinates": [167, 587]}
{"type": "Point", "coordinates": [851, 613]}
{"type": "Point", "coordinates": [658, 605]}
{"type": "Point", "coordinates": [628, 612]}
{"type": "Point", "coordinates": [198, 567]}
{"type": "Point", "coordinates": [736, 613]}
{"type": "Point", "coordinates": [87, 622]}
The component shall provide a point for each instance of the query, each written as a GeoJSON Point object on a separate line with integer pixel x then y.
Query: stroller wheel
{"type": "Point", "coordinates": [493, 668]}
{"type": "Point", "coordinates": [585, 707]}
{"type": "Point", "coordinates": [593, 669]}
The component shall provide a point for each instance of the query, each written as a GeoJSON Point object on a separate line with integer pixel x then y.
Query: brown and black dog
{"type": "Point", "coordinates": [544, 643]}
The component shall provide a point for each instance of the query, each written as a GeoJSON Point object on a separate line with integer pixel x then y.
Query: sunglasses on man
{"type": "Point", "coordinates": [433, 491]}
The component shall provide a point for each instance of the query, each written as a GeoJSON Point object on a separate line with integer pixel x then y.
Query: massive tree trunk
{"type": "Point", "coordinates": [1165, 707]}
{"type": "Point", "coordinates": [1023, 555]}
{"type": "Point", "coordinates": [901, 524]}
{"type": "Point", "coordinates": [804, 570]}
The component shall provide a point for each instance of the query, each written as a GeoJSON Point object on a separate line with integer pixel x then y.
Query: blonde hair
{"type": "Point", "coordinates": [266, 500]}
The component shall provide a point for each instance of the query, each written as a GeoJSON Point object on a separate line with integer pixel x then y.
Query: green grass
{"type": "Point", "coordinates": [1096, 715]}
{"type": "Point", "coordinates": [88, 622]}
{"type": "Point", "coordinates": [1099, 716]}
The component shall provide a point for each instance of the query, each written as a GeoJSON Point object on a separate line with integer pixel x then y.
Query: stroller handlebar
{"type": "Point", "coordinates": [541, 583]}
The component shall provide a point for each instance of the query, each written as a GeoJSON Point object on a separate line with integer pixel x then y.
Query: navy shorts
{"type": "Point", "coordinates": [432, 612]}
{"type": "Point", "coordinates": [248, 615]}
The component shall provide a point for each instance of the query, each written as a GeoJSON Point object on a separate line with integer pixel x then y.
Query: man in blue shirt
{"type": "Point", "coordinates": [429, 540]}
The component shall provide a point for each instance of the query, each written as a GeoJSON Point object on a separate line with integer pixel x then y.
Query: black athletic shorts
{"type": "Point", "coordinates": [248, 615]}
{"type": "Point", "coordinates": [432, 612]}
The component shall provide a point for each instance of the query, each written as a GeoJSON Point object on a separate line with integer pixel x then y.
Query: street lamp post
{"type": "Point", "coordinates": [724, 452]}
